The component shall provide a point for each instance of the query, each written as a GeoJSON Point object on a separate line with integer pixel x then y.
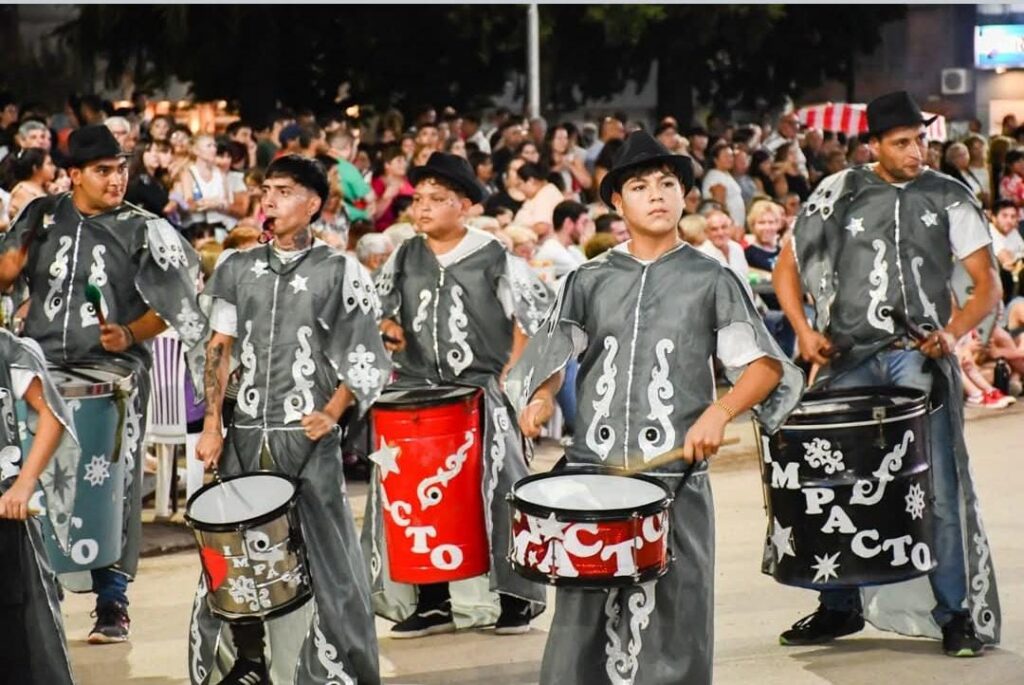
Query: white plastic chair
{"type": "Point", "coordinates": [166, 426]}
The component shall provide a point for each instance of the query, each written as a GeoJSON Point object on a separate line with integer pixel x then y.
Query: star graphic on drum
{"type": "Point", "coordinates": [782, 538]}
{"type": "Point", "coordinates": [386, 458]}
{"type": "Point", "coordinates": [60, 482]}
{"type": "Point", "coordinates": [827, 566]}
{"type": "Point", "coordinates": [551, 528]}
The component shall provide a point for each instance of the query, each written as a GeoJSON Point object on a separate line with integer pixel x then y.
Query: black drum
{"type": "Point", "coordinates": [848, 490]}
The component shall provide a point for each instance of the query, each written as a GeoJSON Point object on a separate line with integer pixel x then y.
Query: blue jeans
{"type": "Point", "coordinates": [949, 579]}
{"type": "Point", "coordinates": [566, 397]}
{"type": "Point", "coordinates": [110, 585]}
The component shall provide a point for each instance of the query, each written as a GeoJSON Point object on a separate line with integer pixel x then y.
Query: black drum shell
{"type": "Point", "coordinates": [865, 425]}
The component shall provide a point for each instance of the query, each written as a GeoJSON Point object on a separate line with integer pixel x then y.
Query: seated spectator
{"type": "Point", "coordinates": [693, 229]}
{"type": "Point", "coordinates": [571, 221]}
{"type": "Point", "coordinates": [765, 222]}
{"type": "Point", "coordinates": [598, 244]}
{"type": "Point", "coordinates": [524, 241]}
{"type": "Point", "coordinates": [373, 249]}
{"type": "Point", "coordinates": [1008, 246]}
{"type": "Point", "coordinates": [542, 197]}
{"type": "Point", "coordinates": [613, 224]}
{"type": "Point", "coordinates": [720, 244]}
{"type": "Point", "coordinates": [977, 389]}
{"type": "Point", "coordinates": [1011, 187]}
{"type": "Point", "coordinates": [511, 195]}
{"type": "Point", "coordinates": [956, 162]}
{"type": "Point", "coordinates": [719, 185]}
{"type": "Point", "coordinates": [388, 186]}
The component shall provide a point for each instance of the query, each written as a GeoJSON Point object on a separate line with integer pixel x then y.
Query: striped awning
{"type": "Point", "coordinates": [852, 119]}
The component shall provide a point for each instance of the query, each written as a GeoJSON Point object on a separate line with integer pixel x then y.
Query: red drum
{"type": "Point", "coordinates": [588, 528]}
{"type": "Point", "coordinates": [430, 462]}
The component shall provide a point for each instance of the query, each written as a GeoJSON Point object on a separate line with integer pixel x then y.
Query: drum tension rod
{"type": "Point", "coordinates": [878, 414]}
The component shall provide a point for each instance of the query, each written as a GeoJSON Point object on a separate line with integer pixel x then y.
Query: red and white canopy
{"type": "Point", "coordinates": [852, 119]}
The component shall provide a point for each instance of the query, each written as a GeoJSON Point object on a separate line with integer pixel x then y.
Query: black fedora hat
{"type": "Point", "coordinates": [642, 149]}
{"type": "Point", "coordinates": [90, 143]}
{"type": "Point", "coordinates": [893, 110]}
{"type": "Point", "coordinates": [451, 168]}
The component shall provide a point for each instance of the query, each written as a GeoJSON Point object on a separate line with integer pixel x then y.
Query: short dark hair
{"type": "Point", "coordinates": [717, 148]}
{"type": "Point", "coordinates": [1012, 157]}
{"type": "Point", "coordinates": [641, 170]}
{"type": "Point", "coordinates": [1000, 205]}
{"type": "Point", "coordinates": [236, 126]}
{"type": "Point", "coordinates": [664, 126]}
{"type": "Point", "coordinates": [567, 209]}
{"type": "Point", "coordinates": [478, 159]}
{"type": "Point", "coordinates": [603, 224]}
{"type": "Point", "coordinates": [530, 171]}
{"type": "Point", "coordinates": [306, 172]}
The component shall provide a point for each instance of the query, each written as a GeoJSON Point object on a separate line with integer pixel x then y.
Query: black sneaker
{"type": "Point", "coordinates": [824, 625]}
{"type": "Point", "coordinates": [426, 622]}
{"type": "Point", "coordinates": [247, 672]}
{"type": "Point", "coordinates": [112, 624]}
{"type": "Point", "coordinates": [515, 616]}
{"type": "Point", "coordinates": [959, 638]}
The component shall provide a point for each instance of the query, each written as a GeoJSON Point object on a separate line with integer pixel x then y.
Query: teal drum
{"type": "Point", "coordinates": [97, 396]}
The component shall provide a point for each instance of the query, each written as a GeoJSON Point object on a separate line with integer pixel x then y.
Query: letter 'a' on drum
{"type": "Point", "coordinates": [429, 458]}
{"type": "Point", "coordinates": [848, 490]}
{"type": "Point", "coordinates": [98, 396]}
{"type": "Point", "coordinates": [585, 528]}
{"type": "Point", "coordinates": [250, 545]}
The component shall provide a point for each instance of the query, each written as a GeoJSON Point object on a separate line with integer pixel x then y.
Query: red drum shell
{"type": "Point", "coordinates": [622, 542]}
{"type": "Point", "coordinates": [433, 510]}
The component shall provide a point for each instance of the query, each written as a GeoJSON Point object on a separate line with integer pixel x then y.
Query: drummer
{"type": "Point", "coordinates": [305, 318]}
{"type": "Point", "coordinates": [35, 648]}
{"type": "Point", "coordinates": [145, 274]}
{"type": "Point", "coordinates": [882, 236]}
{"type": "Point", "coordinates": [458, 309]}
{"type": "Point", "coordinates": [644, 319]}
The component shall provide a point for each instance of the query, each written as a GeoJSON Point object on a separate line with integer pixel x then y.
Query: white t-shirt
{"type": "Point", "coordinates": [737, 261]}
{"type": "Point", "coordinates": [733, 194]}
{"type": "Point", "coordinates": [562, 259]}
{"type": "Point", "coordinates": [968, 230]}
{"type": "Point", "coordinates": [1012, 243]}
{"type": "Point", "coordinates": [540, 208]}
{"type": "Point", "coordinates": [20, 380]}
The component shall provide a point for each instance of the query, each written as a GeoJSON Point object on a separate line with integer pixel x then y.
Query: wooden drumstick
{"type": "Point", "coordinates": [668, 458]}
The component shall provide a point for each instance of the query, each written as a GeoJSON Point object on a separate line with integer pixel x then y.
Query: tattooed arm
{"type": "Point", "coordinates": [215, 380]}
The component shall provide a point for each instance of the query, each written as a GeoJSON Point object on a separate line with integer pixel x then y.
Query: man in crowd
{"type": "Point", "coordinates": [542, 197]}
{"type": "Point", "coordinates": [572, 224]}
{"type": "Point", "coordinates": [786, 130]}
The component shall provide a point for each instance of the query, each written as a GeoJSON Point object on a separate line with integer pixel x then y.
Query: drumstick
{"type": "Point", "coordinates": [667, 458]}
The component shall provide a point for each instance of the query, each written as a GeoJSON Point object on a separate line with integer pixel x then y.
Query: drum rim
{"type": "Point", "coordinates": [286, 608]}
{"type": "Point", "coordinates": [277, 512]}
{"type": "Point", "coordinates": [860, 416]}
{"type": "Point", "coordinates": [588, 515]}
{"type": "Point", "coordinates": [473, 392]}
{"type": "Point", "coordinates": [99, 388]}
{"type": "Point", "coordinates": [592, 582]}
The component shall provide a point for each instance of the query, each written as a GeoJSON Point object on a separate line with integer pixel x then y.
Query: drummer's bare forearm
{"type": "Point", "coordinates": [985, 296]}
{"type": "Point", "coordinates": [519, 340]}
{"type": "Point", "coordinates": [11, 263]}
{"type": "Point", "coordinates": [147, 326]}
{"type": "Point", "coordinates": [215, 379]}
{"type": "Point", "coordinates": [755, 383]}
{"type": "Point", "coordinates": [786, 282]}
{"type": "Point", "coordinates": [48, 434]}
{"type": "Point", "coordinates": [341, 400]}
{"type": "Point", "coordinates": [549, 388]}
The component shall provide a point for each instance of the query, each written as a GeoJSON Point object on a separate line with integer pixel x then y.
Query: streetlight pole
{"type": "Point", "coordinates": [533, 59]}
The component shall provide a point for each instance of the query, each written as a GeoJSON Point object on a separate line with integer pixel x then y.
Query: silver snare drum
{"type": "Point", "coordinates": [250, 545]}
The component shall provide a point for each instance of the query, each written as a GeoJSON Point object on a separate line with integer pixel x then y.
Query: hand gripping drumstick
{"type": "Point", "coordinates": [667, 458]}
{"type": "Point", "coordinates": [94, 297]}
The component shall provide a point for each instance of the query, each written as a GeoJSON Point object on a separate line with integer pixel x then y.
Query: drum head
{"type": "Point", "coordinates": [425, 397]}
{"type": "Point", "coordinates": [81, 382]}
{"type": "Point", "coordinates": [591, 492]}
{"type": "Point", "coordinates": [240, 499]}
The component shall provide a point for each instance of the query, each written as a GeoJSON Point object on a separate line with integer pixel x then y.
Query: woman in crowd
{"type": "Point", "coordinates": [160, 128]}
{"type": "Point", "coordinates": [1011, 187]}
{"type": "Point", "coordinates": [956, 162]}
{"type": "Point", "coordinates": [528, 151]}
{"type": "Point", "coordinates": [147, 179]}
{"type": "Point", "coordinates": [978, 152]}
{"type": "Point", "coordinates": [561, 158]}
{"type": "Point", "coordinates": [203, 188]}
{"type": "Point", "coordinates": [765, 222]}
{"type": "Point", "coordinates": [786, 162]}
{"type": "Point", "coordinates": [180, 139]}
{"type": "Point", "coordinates": [30, 170]}
{"type": "Point", "coordinates": [390, 185]}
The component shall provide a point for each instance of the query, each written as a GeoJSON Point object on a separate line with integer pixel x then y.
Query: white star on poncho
{"type": "Point", "coordinates": [298, 284]}
{"type": "Point", "coordinates": [827, 566]}
{"type": "Point", "coordinates": [930, 218]}
{"type": "Point", "coordinates": [259, 267]}
{"type": "Point", "coordinates": [855, 226]}
{"type": "Point", "coordinates": [386, 458]}
{"type": "Point", "coordinates": [782, 538]}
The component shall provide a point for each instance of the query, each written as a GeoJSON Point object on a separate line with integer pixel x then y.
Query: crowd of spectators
{"type": "Point", "coordinates": [541, 178]}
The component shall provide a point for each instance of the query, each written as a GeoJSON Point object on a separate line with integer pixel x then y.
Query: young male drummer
{"type": "Point", "coordinates": [34, 646]}
{"type": "Point", "coordinates": [304, 318]}
{"type": "Point", "coordinates": [145, 274]}
{"type": "Point", "coordinates": [645, 320]}
{"type": "Point", "coordinates": [871, 239]}
{"type": "Point", "coordinates": [458, 309]}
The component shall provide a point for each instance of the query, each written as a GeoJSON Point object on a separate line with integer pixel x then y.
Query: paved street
{"type": "Point", "coordinates": [751, 608]}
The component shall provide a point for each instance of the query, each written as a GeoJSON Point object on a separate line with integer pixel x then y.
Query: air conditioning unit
{"type": "Point", "coordinates": [956, 81]}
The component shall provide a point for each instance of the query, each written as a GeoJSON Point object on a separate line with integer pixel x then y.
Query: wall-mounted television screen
{"type": "Point", "coordinates": [999, 46]}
